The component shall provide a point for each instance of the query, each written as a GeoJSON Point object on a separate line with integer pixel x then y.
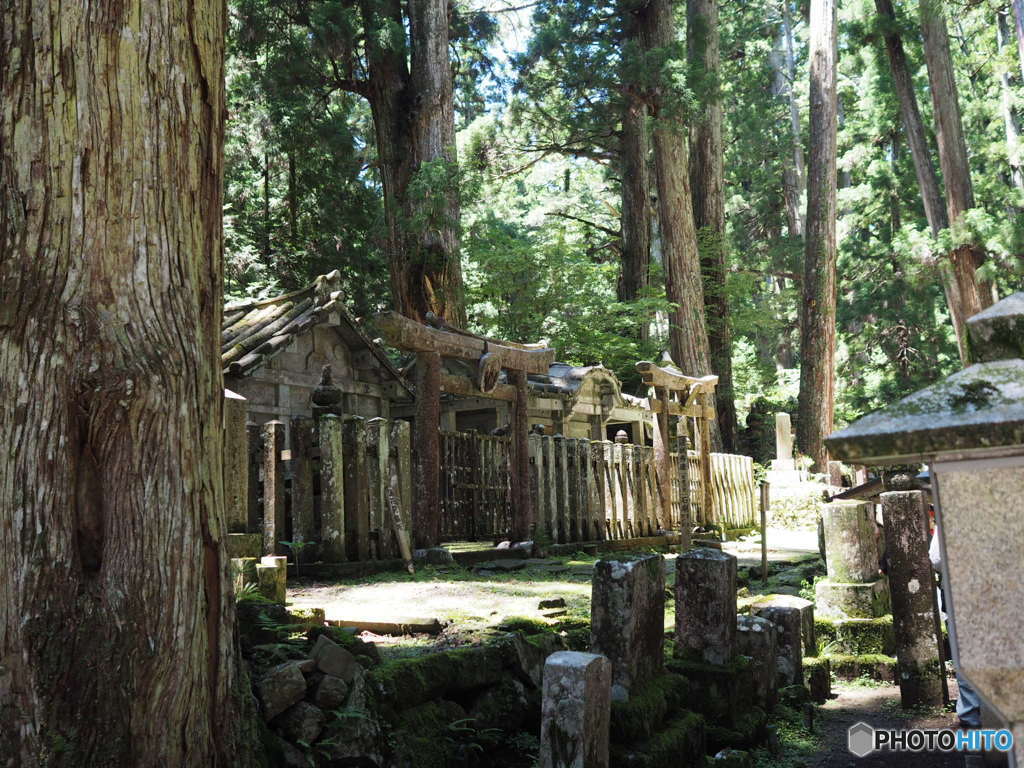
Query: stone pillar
{"type": "Point", "coordinates": [357, 488]}
{"type": "Point", "coordinates": [576, 711]}
{"type": "Point", "coordinates": [236, 463]}
{"type": "Point", "coordinates": [804, 607]}
{"type": "Point", "coordinates": [854, 587]}
{"type": "Point", "coordinates": [911, 585]}
{"type": "Point", "coordinates": [783, 442]}
{"type": "Point", "coordinates": [332, 489]}
{"type": "Point", "coordinates": [706, 605]}
{"type": "Point", "coordinates": [755, 637]}
{"type": "Point", "coordinates": [790, 621]}
{"type": "Point", "coordinates": [273, 487]}
{"type": "Point", "coordinates": [272, 578]}
{"type": "Point", "coordinates": [303, 530]}
{"type": "Point", "coordinates": [835, 474]}
{"type": "Point", "coordinates": [627, 620]}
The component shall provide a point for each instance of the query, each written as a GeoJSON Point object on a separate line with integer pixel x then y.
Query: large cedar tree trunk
{"type": "Point", "coordinates": [413, 120]}
{"type": "Point", "coordinates": [688, 339]}
{"type": "Point", "coordinates": [1011, 122]}
{"type": "Point", "coordinates": [708, 185]}
{"type": "Point", "coordinates": [635, 146]}
{"type": "Point", "coordinates": [794, 172]}
{"type": "Point", "coordinates": [818, 318]}
{"type": "Point", "coordinates": [927, 179]}
{"type": "Point", "coordinates": [116, 619]}
{"type": "Point", "coordinates": [1018, 28]}
{"type": "Point", "coordinates": [975, 295]}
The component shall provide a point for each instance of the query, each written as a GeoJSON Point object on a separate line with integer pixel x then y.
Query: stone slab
{"type": "Point", "coordinates": [851, 541]}
{"type": "Point", "coordinates": [575, 711]}
{"type": "Point", "coordinates": [756, 638]}
{"type": "Point", "coordinates": [705, 593]}
{"type": "Point", "coordinates": [856, 601]}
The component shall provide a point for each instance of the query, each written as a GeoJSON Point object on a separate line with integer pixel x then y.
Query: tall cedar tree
{"type": "Point", "coordinates": [707, 182]}
{"type": "Point", "coordinates": [688, 339]}
{"type": "Point", "coordinates": [927, 179]}
{"type": "Point", "coordinates": [116, 620]}
{"type": "Point", "coordinates": [975, 295]}
{"type": "Point", "coordinates": [818, 317]}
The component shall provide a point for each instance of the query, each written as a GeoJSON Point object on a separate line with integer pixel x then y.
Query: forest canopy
{"type": "Point", "coordinates": [535, 203]}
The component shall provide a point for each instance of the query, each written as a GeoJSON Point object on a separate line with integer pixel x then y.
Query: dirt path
{"type": "Point", "coordinates": [878, 707]}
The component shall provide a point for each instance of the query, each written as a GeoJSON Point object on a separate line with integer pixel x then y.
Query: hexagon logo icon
{"type": "Point", "coordinates": [860, 739]}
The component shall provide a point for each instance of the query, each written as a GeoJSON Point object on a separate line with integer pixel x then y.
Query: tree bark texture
{"type": "Point", "coordinates": [117, 639]}
{"type": "Point", "coordinates": [635, 251]}
{"type": "Point", "coordinates": [956, 172]}
{"type": "Point", "coordinates": [413, 120]}
{"type": "Point", "coordinates": [1011, 123]}
{"type": "Point", "coordinates": [818, 319]}
{"type": "Point", "coordinates": [707, 182]}
{"type": "Point", "coordinates": [683, 284]}
{"type": "Point", "coordinates": [1018, 27]}
{"type": "Point", "coordinates": [927, 179]}
{"type": "Point", "coordinates": [794, 171]}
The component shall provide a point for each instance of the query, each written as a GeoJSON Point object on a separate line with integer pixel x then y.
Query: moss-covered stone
{"type": "Point", "coordinates": [856, 637]}
{"type": "Point", "coordinates": [818, 674]}
{"type": "Point", "coordinates": [875, 666]}
{"type": "Point", "coordinates": [723, 688]}
{"type": "Point", "coordinates": [646, 710]}
{"type": "Point", "coordinates": [420, 734]}
{"type": "Point", "coordinates": [681, 743]}
{"type": "Point", "coordinates": [405, 683]}
{"type": "Point", "coordinates": [747, 731]}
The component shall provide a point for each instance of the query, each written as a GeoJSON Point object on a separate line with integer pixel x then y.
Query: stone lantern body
{"type": "Point", "coordinates": [970, 429]}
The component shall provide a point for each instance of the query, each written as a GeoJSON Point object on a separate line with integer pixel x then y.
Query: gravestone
{"type": "Point", "coordinates": [756, 638]}
{"type": "Point", "coordinates": [789, 657]}
{"type": "Point", "coordinates": [272, 577]}
{"type": "Point", "coordinates": [854, 588]}
{"type": "Point", "coordinates": [627, 619]}
{"type": "Point", "coordinates": [236, 464]}
{"type": "Point", "coordinates": [911, 586]}
{"type": "Point", "coordinates": [575, 711]}
{"type": "Point", "coordinates": [804, 607]}
{"type": "Point", "coordinates": [706, 605]}
{"type": "Point", "coordinates": [783, 442]}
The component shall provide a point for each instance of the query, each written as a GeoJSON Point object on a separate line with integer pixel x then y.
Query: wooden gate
{"type": "Point", "coordinates": [475, 487]}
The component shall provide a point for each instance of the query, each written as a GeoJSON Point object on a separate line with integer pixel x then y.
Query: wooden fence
{"type": "Point", "coordinates": [583, 490]}
{"type": "Point", "coordinates": [342, 488]}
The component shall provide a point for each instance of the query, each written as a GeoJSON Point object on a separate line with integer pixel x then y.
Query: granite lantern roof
{"type": "Point", "coordinates": [256, 330]}
{"type": "Point", "coordinates": [978, 408]}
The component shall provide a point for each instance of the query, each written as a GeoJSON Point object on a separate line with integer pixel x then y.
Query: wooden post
{"type": "Point", "coordinates": [765, 496]}
{"type": "Point", "coordinates": [303, 529]}
{"type": "Point", "coordinates": [522, 503]}
{"type": "Point", "coordinates": [426, 512]}
{"type": "Point", "coordinates": [332, 490]}
{"type": "Point", "coordinates": [400, 493]}
{"type": "Point", "coordinates": [273, 487]}
{"type": "Point", "coordinates": [663, 452]}
{"type": "Point", "coordinates": [683, 468]}
{"type": "Point", "coordinates": [705, 460]}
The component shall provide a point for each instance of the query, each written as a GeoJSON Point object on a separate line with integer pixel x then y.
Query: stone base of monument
{"type": "Point", "coordinates": [874, 666]}
{"type": "Point", "coordinates": [852, 600]}
{"type": "Point", "coordinates": [855, 637]}
{"type": "Point", "coordinates": [244, 545]}
{"type": "Point", "coordinates": [654, 727]}
{"type": "Point", "coordinates": [818, 674]}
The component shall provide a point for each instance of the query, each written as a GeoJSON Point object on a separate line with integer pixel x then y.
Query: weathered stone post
{"type": "Point", "coordinates": [332, 489]}
{"type": "Point", "coordinates": [273, 487]}
{"type": "Point", "coordinates": [794, 617]}
{"type": "Point", "coordinates": [755, 637]}
{"type": "Point", "coordinates": [627, 620]}
{"type": "Point", "coordinates": [272, 577]}
{"type": "Point", "coordinates": [706, 605]}
{"type": "Point", "coordinates": [854, 587]}
{"type": "Point", "coordinates": [576, 711]}
{"type": "Point", "coordinates": [302, 486]}
{"type": "Point", "coordinates": [236, 463]}
{"type": "Point", "coordinates": [357, 488]}
{"type": "Point", "coordinates": [783, 442]}
{"type": "Point", "coordinates": [911, 586]}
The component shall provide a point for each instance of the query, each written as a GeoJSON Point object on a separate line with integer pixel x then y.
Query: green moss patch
{"type": "Point", "coordinates": [682, 742]}
{"type": "Point", "coordinates": [875, 666]}
{"type": "Point", "coordinates": [405, 683]}
{"type": "Point", "coordinates": [647, 709]}
{"type": "Point", "coordinates": [855, 637]}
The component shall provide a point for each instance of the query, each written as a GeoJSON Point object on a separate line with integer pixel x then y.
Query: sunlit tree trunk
{"type": "Point", "coordinates": [1018, 27]}
{"type": "Point", "coordinates": [956, 172]}
{"type": "Point", "coordinates": [117, 639]}
{"type": "Point", "coordinates": [818, 318]}
{"type": "Point", "coordinates": [794, 172]}
{"type": "Point", "coordinates": [413, 122]}
{"type": "Point", "coordinates": [927, 179]}
{"type": "Point", "coordinates": [635, 148]}
{"type": "Point", "coordinates": [688, 340]}
{"type": "Point", "coordinates": [708, 185]}
{"type": "Point", "coordinates": [1011, 123]}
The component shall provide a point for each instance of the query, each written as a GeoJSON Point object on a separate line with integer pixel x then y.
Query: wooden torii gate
{"type": "Point", "coordinates": [442, 340]}
{"type": "Point", "coordinates": [686, 396]}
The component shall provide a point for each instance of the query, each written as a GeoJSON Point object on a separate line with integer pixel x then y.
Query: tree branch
{"type": "Point", "coordinates": [613, 232]}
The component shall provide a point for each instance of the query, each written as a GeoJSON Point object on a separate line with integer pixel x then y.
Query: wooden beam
{"type": "Point", "coordinates": [466, 387]}
{"type": "Point", "coordinates": [677, 409]}
{"type": "Point", "coordinates": [656, 376]}
{"type": "Point", "coordinates": [407, 334]}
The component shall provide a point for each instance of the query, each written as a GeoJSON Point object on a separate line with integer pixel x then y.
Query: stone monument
{"type": "Point", "coordinates": [969, 429]}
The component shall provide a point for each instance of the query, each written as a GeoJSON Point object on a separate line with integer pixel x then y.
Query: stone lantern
{"type": "Point", "coordinates": [970, 429]}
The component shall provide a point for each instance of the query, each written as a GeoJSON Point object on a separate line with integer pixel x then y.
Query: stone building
{"type": "Point", "coordinates": [273, 352]}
